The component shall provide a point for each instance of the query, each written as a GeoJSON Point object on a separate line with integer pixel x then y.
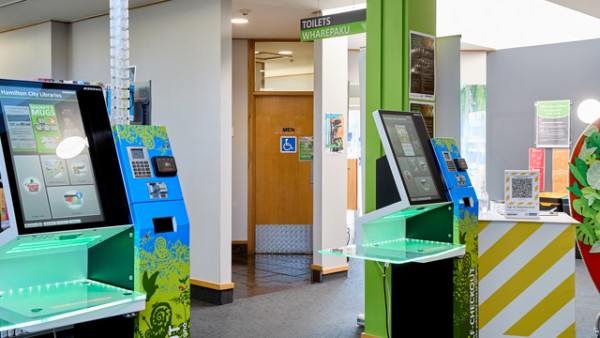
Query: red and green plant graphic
{"type": "Point", "coordinates": [584, 196]}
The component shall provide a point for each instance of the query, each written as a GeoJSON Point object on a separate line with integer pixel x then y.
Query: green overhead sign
{"type": "Point", "coordinates": [331, 26]}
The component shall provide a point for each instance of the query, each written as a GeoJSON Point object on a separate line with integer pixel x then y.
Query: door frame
{"type": "Point", "coordinates": [252, 94]}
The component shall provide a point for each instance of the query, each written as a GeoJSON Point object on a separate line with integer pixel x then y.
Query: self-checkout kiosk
{"type": "Point", "coordinates": [161, 229]}
{"type": "Point", "coordinates": [67, 252]}
{"type": "Point", "coordinates": [419, 245]}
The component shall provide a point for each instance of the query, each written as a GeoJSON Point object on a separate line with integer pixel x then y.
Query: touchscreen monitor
{"type": "Point", "coordinates": [410, 156]}
{"type": "Point", "coordinates": [59, 156]}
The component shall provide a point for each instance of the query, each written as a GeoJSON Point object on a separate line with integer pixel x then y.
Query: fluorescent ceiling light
{"type": "Point", "coordinates": [286, 52]}
{"type": "Point", "coordinates": [239, 21]}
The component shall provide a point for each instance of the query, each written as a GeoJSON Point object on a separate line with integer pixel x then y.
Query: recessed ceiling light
{"type": "Point", "coordinates": [286, 52]}
{"type": "Point", "coordinates": [239, 21]}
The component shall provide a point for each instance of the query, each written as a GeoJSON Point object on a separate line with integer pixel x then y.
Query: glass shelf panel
{"type": "Point", "coordinates": [38, 307]}
{"type": "Point", "coordinates": [400, 251]}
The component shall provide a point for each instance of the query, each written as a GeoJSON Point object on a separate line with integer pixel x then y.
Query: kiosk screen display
{"type": "Point", "coordinates": [410, 155]}
{"type": "Point", "coordinates": [52, 151]}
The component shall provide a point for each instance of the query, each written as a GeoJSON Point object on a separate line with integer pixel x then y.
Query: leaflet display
{"type": "Point", "coordinates": [410, 156]}
{"type": "Point", "coordinates": [51, 149]}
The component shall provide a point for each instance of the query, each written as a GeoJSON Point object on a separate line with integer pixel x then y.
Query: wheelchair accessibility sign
{"type": "Point", "coordinates": [287, 144]}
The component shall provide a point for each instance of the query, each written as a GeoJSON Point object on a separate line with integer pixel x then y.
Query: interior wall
{"type": "Point", "coordinates": [60, 50]}
{"type": "Point", "coordinates": [26, 53]}
{"type": "Point", "coordinates": [184, 49]}
{"type": "Point", "coordinates": [240, 140]}
{"type": "Point", "coordinates": [516, 79]}
{"type": "Point", "coordinates": [447, 91]}
{"type": "Point", "coordinates": [473, 68]}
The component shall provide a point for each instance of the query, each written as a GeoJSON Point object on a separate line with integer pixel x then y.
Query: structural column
{"type": "Point", "coordinates": [330, 164]}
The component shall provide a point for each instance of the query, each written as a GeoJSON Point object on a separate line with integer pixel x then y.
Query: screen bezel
{"type": "Point", "coordinates": [103, 157]}
{"type": "Point", "coordinates": [405, 197]}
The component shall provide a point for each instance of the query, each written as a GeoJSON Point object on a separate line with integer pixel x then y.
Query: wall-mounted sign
{"type": "Point", "coordinates": [422, 66]}
{"type": "Point", "coordinates": [334, 134]}
{"type": "Point", "coordinates": [330, 26]}
{"type": "Point", "coordinates": [537, 161]}
{"type": "Point", "coordinates": [306, 145]}
{"type": "Point", "coordinates": [560, 170]}
{"type": "Point", "coordinates": [427, 109]}
{"type": "Point", "coordinates": [552, 124]}
{"type": "Point", "coordinates": [287, 144]}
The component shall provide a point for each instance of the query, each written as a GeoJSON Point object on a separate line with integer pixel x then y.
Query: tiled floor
{"type": "Point", "coordinates": [261, 274]}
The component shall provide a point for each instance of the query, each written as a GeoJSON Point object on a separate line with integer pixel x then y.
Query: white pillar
{"type": "Point", "coordinates": [209, 135]}
{"type": "Point", "coordinates": [330, 168]}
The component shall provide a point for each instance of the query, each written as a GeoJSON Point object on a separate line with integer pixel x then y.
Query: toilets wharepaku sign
{"type": "Point", "coordinates": [331, 26]}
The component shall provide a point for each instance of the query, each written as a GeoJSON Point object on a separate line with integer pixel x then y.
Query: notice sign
{"type": "Point", "coordinates": [537, 161]}
{"type": "Point", "coordinates": [560, 170]}
{"type": "Point", "coordinates": [331, 26]}
{"type": "Point", "coordinates": [522, 193]}
{"type": "Point", "coordinates": [422, 66]}
{"type": "Point", "coordinates": [552, 124]}
{"type": "Point", "coordinates": [306, 145]}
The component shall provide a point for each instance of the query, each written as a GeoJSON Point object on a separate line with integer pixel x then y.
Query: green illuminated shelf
{"type": "Point", "coordinates": [400, 251]}
{"type": "Point", "coordinates": [39, 307]}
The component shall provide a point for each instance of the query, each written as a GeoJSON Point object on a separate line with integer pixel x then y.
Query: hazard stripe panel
{"type": "Point", "coordinates": [526, 279]}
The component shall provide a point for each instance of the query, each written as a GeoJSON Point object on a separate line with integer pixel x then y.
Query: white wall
{"type": "Point", "coordinates": [473, 68]}
{"type": "Point", "coordinates": [353, 66]}
{"type": "Point", "coordinates": [60, 50]}
{"type": "Point", "coordinates": [25, 54]}
{"type": "Point", "coordinates": [185, 49]}
{"type": "Point", "coordinates": [240, 140]}
{"type": "Point", "coordinates": [447, 86]}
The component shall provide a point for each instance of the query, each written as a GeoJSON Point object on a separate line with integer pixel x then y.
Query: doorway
{"type": "Point", "coordinates": [280, 111]}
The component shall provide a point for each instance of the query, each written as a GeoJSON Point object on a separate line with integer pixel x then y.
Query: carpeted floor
{"type": "Point", "coordinates": [329, 310]}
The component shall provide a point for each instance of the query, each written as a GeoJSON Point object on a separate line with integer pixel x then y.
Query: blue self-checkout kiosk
{"type": "Point", "coordinates": [67, 253]}
{"type": "Point", "coordinates": [420, 243]}
{"type": "Point", "coordinates": [161, 229]}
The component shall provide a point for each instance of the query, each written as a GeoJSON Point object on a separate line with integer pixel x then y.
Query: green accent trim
{"type": "Point", "coordinates": [333, 31]}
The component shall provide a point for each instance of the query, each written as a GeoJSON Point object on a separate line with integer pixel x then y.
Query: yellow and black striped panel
{"type": "Point", "coordinates": [526, 279]}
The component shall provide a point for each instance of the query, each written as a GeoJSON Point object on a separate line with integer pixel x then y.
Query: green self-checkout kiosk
{"type": "Point", "coordinates": [419, 246]}
{"type": "Point", "coordinates": [84, 254]}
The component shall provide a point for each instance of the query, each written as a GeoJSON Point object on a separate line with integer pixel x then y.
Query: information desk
{"type": "Point", "coordinates": [526, 276]}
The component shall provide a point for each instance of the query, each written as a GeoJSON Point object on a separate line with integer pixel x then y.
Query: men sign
{"type": "Point", "coordinates": [330, 26]}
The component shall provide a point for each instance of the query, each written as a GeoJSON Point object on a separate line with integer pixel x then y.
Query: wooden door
{"type": "Point", "coordinates": [282, 183]}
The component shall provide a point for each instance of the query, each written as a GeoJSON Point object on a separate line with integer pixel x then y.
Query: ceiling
{"type": "Point", "coordinates": [269, 19]}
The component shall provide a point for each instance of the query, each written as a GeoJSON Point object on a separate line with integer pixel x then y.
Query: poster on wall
{"type": "Point", "coordinates": [427, 109]}
{"type": "Point", "coordinates": [306, 144]}
{"type": "Point", "coordinates": [560, 170]}
{"type": "Point", "coordinates": [537, 161]}
{"type": "Point", "coordinates": [552, 124]}
{"type": "Point", "coordinates": [334, 134]}
{"type": "Point", "coordinates": [422, 66]}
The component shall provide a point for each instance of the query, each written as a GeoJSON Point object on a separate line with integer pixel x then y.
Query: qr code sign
{"type": "Point", "coordinates": [522, 193]}
{"type": "Point", "coordinates": [522, 187]}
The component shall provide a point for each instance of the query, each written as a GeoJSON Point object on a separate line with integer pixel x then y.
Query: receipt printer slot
{"type": "Point", "coordinates": [164, 224]}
